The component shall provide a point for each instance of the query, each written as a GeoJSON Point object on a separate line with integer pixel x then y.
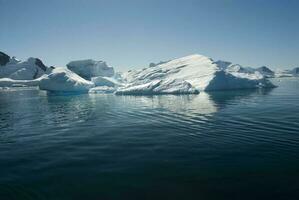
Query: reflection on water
{"type": "Point", "coordinates": [211, 145]}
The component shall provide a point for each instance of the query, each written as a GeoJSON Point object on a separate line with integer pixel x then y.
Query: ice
{"type": "Point", "coordinates": [167, 86]}
{"type": "Point", "coordinates": [287, 73]}
{"type": "Point", "coordinates": [265, 71]}
{"type": "Point", "coordinates": [64, 80]}
{"type": "Point", "coordinates": [28, 70]}
{"type": "Point", "coordinates": [8, 82]}
{"type": "Point", "coordinates": [90, 68]}
{"type": "Point", "coordinates": [239, 69]}
{"type": "Point", "coordinates": [295, 71]}
{"type": "Point", "coordinates": [105, 81]}
{"type": "Point", "coordinates": [186, 75]}
{"type": "Point", "coordinates": [191, 74]}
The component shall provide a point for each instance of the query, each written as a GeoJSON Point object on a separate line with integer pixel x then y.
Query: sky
{"type": "Point", "coordinates": [132, 33]}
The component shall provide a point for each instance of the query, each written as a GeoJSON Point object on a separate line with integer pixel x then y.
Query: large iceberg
{"type": "Point", "coordinates": [14, 73]}
{"type": "Point", "coordinates": [14, 69]}
{"type": "Point", "coordinates": [189, 74]}
{"type": "Point", "coordinates": [90, 68]}
{"type": "Point", "coordinates": [168, 86]}
{"type": "Point", "coordinates": [64, 80]}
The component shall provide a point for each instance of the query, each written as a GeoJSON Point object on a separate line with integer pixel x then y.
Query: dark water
{"type": "Point", "coordinates": [232, 145]}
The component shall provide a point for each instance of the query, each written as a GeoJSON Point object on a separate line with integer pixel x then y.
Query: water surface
{"type": "Point", "coordinates": [221, 145]}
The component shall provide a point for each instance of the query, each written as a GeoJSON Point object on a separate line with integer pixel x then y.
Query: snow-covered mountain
{"type": "Point", "coordinates": [189, 74]}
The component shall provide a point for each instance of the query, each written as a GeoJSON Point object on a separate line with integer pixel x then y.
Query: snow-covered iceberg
{"type": "Point", "coordinates": [64, 80]}
{"type": "Point", "coordinates": [236, 68]}
{"type": "Point", "coordinates": [265, 71]}
{"type": "Point", "coordinates": [186, 75]}
{"type": "Point", "coordinates": [14, 73]}
{"type": "Point", "coordinates": [287, 73]}
{"type": "Point", "coordinates": [14, 69]}
{"type": "Point", "coordinates": [105, 81]}
{"type": "Point", "coordinates": [189, 74]}
{"type": "Point", "coordinates": [295, 71]}
{"type": "Point", "coordinates": [168, 86]}
{"type": "Point", "coordinates": [90, 68]}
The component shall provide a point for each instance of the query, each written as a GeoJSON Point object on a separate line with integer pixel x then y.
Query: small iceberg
{"type": "Point", "coordinates": [64, 80]}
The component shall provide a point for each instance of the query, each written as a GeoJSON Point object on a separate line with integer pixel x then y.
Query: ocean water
{"type": "Point", "coordinates": [221, 145]}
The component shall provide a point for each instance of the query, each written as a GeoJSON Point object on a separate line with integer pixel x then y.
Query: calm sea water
{"type": "Point", "coordinates": [222, 145]}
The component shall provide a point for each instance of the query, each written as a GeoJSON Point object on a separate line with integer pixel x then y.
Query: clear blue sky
{"type": "Point", "coordinates": [133, 33]}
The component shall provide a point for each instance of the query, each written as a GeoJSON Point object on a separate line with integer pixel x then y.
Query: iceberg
{"type": "Point", "coordinates": [167, 86]}
{"type": "Point", "coordinates": [295, 71]}
{"type": "Point", "coordinates": [64, 80]}
{"type": "Point", "coordinates": [105, 81]}
{"type": "Point", "coordinates": [265, 71]}
{"type": "Point", "coordinates": [12, 68]}
{"type": "Point", "coordinates": [287, 73]}
{"type": "Point", "coordinates": [4, 58]}
{"type": "Point", "coordinates": [189, 75]}
{"type": "Point", "coordinates": [90, 68]}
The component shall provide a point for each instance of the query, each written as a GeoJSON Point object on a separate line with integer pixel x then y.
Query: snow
{"type": "Point", "coordinates": [105, 81]}
{"type": "Point", "coordinates": [8, 82]}
{"type": "Point", "coordinates": [239, 69]}
{"type": "Point", "coordinates": [17, 70]}
{"type": "Point", "coordinates": [90, 68]}
{"type": "Point", "coordinates": [64, 80]}
{"type": "Point", "coordinates": [287, 73]}
{"type": "Point", "coordinates": [265, 71]}
{"type": "Point", "coordinates": [159, 87]}
{"type": "Point", "coordinates": [189, 74]}
{"type": "Point", "coordinates": [295, 71]}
